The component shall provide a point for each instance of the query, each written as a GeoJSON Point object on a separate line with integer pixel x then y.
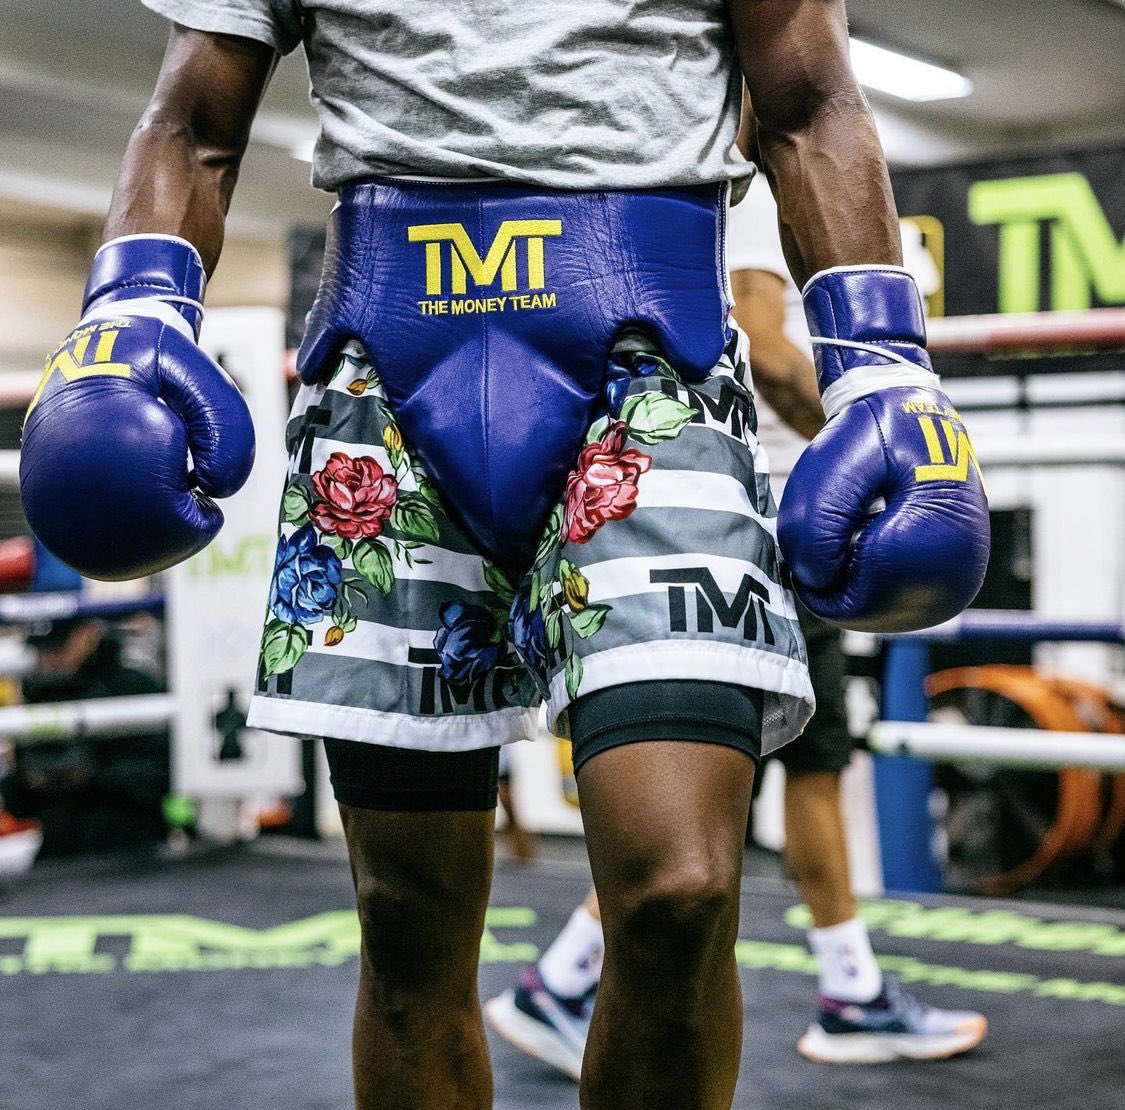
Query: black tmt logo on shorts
{"type": "Point", "coordinates": [747, 608]}
{"type": "Point", "coordinates": [491, 691]}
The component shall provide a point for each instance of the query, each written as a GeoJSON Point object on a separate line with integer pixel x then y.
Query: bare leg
{"type": "Point", "coordinates": [816, 847]}
{"type": "Point", "coordinates": [664, 826]}
{"type": "Point", "coordinates": [521, 841]}
{"type": "Point", "coordinates": [422, 882]}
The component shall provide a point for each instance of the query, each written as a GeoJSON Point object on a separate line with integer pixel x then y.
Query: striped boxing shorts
{"type": "Point", "coordinates": [386, 624]}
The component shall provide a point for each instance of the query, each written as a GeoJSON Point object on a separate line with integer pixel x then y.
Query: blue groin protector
{"type": "Point", "coordinates": [490, 311]}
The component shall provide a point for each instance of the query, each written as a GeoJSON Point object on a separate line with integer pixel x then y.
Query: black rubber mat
{"type": "Point", "coordinates": [227, 981]}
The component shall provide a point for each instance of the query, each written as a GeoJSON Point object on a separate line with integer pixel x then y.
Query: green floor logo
{"type": "Point", "coordinates": [175, 942]}
{"type": "Point", "coordinates": [958, 924]}
{"type": "Point", "coordinates": [178, 943]}
{"type": "Point", "coordinates": [1085, 256]}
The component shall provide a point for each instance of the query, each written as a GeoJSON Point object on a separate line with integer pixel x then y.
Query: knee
{"type": "Point", "coordinates": [677, 918]}
{"type": "Point", "coordinates": [413, 931]}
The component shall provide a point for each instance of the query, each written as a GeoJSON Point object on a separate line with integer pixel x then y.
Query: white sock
{"type": "Point", "coordinates": [847, 966]}
{"type": "Point", "coordinates": [573, 963]}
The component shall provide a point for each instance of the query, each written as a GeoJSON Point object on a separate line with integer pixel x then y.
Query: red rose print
{"type": "Point", "coordinates": [357, 496]}
{"type": "Point", "coordinates": [603, 484]}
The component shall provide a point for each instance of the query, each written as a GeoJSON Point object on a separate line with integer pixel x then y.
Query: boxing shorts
{"type": "Point", "coordinates": [523, 468]}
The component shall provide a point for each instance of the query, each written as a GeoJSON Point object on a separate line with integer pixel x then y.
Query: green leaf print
{"type": "Point", "coordinates": [597, 429]}
{"type": "Point", "coordinates": [342, 546]}
{"type": "Point", "coordinates": [499, 583]}
{"type": "Point", "coordinates": [283, 645]}
{"type": "Point", "coordinates": [573, 675]}
{"type": "Point", "coordinates": [552, 623]}
{"type": "Point", "coordinates": [590, 620]}
{"type": "Point", "coordinates": [552, 537]}
{"type": "Point", "coordinates": [654, 417]}
{"type": "Point", "coordinates": [352, 593]}
{"type": "Point", "coordinates": [372, 559]}
{"type": "Point", "coordinates": [426, 489]}
{"type": "Point", "coordinates": [295, 504]}
{"type": "Point", "coordinates": [413, 518]}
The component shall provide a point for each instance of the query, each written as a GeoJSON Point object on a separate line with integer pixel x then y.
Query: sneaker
{"type": "Point", "coordinates": [542, 1024]}
{"type": "Point", "coordinates": [895, 1026]}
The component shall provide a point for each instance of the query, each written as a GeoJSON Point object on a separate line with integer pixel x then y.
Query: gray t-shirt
{"type": "Point", "coordinates": [572, 94]}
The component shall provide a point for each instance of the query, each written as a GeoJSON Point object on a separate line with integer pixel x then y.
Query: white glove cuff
{"type": "Point", "coordinates": [864, 380]}
{"type": "Point", "coordinates": [154, 307]}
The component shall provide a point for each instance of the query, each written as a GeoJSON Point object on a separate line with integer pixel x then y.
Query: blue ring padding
{"type": "Point", "coordinates": [27, 608]}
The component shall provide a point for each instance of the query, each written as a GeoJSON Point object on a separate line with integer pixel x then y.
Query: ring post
{"type": "Point", "coordinates": [52, 573]}
{"type": "Point", "coordinates": [902, 785]}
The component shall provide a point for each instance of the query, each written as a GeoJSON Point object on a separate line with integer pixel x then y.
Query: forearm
{"type": "Point", "coordinates": [835, 206]}
{"type": "Point", "coordinates": [815, 135]}
{"type": "Point", "coordinates": [182, 161]}
{"type": "Point", "coordinates": [168, 185]}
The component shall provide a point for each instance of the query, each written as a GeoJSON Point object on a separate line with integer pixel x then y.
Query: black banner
{"type": "Point", "coordinates": [1009, 235]}
{"type": "Point", "coordinates": [1022, 235]}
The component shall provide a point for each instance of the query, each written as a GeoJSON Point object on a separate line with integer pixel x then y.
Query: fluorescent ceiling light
{"type": "Point", "coordinates": [903, 76]}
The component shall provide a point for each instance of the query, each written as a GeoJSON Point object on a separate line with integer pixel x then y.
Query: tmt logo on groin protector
{"type": "Point", "coordinates": [452, 260]}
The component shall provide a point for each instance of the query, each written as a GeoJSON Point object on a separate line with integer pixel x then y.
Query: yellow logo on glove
{"type": "Point", "coordinates": [953, 467]}
{"type": "Point", "coordinates": [70, 359]}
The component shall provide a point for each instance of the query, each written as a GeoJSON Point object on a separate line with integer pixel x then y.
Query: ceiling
{"type": "Point", "coordinates": [75, 76]}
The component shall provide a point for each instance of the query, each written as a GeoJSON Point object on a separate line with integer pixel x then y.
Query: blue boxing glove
{"type": "Point", "coordinates": [884, 520]}
{"type": "Point", "coordinates": [105, 476]}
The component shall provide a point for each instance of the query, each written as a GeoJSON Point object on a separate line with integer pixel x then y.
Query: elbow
{"type": "Point", "coordinates": [178, 135]}
{"type": "Point", "coordinates": [794, 119]}
{"type": "Point", "coordinates": [161, 126]}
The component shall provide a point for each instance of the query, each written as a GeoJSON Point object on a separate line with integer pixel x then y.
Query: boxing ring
{"type": "Point", "coordinates": [211, 608]}
{"type": "Point", "coordinates": [249, 954]}
{"type": "Point", "coordinates": [1023, 460]}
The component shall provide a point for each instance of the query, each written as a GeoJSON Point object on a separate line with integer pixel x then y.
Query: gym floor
{"type": "Point", "coordinates": [226, 979]}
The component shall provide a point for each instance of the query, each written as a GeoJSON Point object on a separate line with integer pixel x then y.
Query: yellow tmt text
{"type": "Point", "coordinates": [500, 260]}
{"type": "Point", "coordinates": [74, 360]}
{"type": "Point", "coordinates": [952, 466]}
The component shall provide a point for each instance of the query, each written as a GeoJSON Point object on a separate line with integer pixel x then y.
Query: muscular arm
{"type": "Point", "coordinates": [783, 374]}
{"type": "Point", "coordinates": [182, 162]}
{"type": "Point", "coordinates": [816, 136]}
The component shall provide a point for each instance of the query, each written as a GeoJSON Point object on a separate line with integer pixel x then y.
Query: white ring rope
{"type": "Point", "coordinates": [129, 716]}
{"type": "Point", "coordinates": [1098, 329]}
{"type": "Point", "coordinates": [1005, 747]}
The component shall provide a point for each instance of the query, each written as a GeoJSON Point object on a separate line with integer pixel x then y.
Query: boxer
{"type": "Point", "coordinates": [523, 465]}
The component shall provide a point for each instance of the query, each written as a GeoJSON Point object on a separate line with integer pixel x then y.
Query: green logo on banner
{"type": "Point", "coordinates": [1085, 256]}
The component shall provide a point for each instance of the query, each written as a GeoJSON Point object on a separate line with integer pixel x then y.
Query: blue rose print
{"type": "Point", "coordinates": [306, 579]}
{"type": "Point", "coordinates": [529, 634]}
{"type": "Point", "coordinates": [466, 643]}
